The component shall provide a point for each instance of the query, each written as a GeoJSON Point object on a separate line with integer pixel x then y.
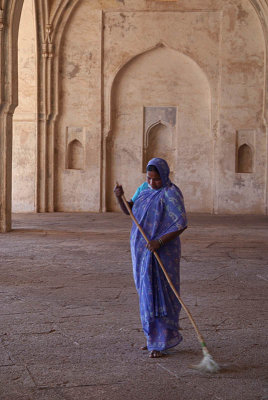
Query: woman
{"type": "Point", "coordinates": [159, 209]}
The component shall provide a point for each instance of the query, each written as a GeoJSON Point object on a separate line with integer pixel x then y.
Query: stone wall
{"type": "Point", "coordinates": [162, 73]}
{"type": "Point", "coordinates": [78, 189]}
{"type": "Point", "coordinates": [25, 119]}
{"type": "Point", "coordinates": [182, 80]}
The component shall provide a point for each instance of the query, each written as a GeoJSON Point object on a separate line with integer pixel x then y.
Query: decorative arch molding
{"type": "Point", "coordinates": [111, 84]}
{"type": "Point", "coordinates": [121, 123]}
{"type": "Point", "coordinates": [148, 140]}
{"type": "Point", "coordinates": [111, 88]}
{"type": "Point", "coordinates": [151, 127]}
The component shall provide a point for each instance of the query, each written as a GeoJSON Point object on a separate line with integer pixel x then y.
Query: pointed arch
{"type": "Point", "coordinates": [123, 66]}
{"type": "Point", "coordinates": [154, 125]}
{"type": "Point", "coordinates": [159, 142]}
{"type": "Point", "coordinates": [147, 79]}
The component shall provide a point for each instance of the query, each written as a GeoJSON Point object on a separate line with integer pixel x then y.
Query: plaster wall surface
{"type": "Point", "coordinates": [24, 121]}
{"type": "Point", "coordinates": [150, 80]}
{"type": "Point", "coordinates": [206, 58]}
{"type": "Point", "coordinates": [80, 111]}
{"type": "Point", "coordinates": [241, 108]}
{"type": "Point", "coordinates": [221, 42]}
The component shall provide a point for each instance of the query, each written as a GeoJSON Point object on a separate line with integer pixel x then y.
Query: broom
{"type": "Point", "coordinates": [207, 364]}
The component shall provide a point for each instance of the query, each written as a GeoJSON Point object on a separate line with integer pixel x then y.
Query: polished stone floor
{"type": "Point", "coordinates": [69, 320]}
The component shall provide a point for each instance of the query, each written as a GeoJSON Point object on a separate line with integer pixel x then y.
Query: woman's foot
{"type": "Point", "coordinates": [156, 354]}
{"type": "Point", "coordinates": [144, 348]}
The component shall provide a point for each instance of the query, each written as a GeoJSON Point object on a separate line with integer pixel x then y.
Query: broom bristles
{"type": "Point", "coordinates": [207, 364]}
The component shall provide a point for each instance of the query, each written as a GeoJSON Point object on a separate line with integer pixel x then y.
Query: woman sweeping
{"type": "Point", "coordinates": [159, 209]}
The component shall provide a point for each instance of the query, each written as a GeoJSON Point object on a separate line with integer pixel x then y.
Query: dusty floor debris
{"type": "Point", "coordinates": [69, 315]}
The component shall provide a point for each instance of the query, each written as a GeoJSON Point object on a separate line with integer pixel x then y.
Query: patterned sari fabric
{"type": "Point", "coordinates": [158, 212]}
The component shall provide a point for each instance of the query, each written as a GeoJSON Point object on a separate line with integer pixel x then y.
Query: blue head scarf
{"type": "Point", "coordinates": [162, 168]}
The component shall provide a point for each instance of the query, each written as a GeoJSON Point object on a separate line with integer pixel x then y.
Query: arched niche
{"type": "Point", "coordinates": [244, 159]}
{"type": "Point", "coordinates": [149, 80]}
{"type": "Point", "coordinates": [75, 156]}
{"type": "Point", "coordinates": [159, 143]}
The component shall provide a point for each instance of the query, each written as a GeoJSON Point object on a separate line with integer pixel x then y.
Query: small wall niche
{"type": "Point", "coordinates": [75, 155]}
{"type": "Point", "coordinates": [244, 159]}
{"type": "Point", "coordinates": [75, 148]}
{"type": "Point", "coordinates": [245, 146]}
{"type": "Point", "coordinates": [159, 134]}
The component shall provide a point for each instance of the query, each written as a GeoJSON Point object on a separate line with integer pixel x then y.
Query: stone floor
{"type": "Point", "coordinates": [69, 320]}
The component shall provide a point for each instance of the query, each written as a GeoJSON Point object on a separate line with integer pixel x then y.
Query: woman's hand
{"type": "Point", "coordinates": [153, 245]}
{"type": "Point", "coordinates": [118, 190]}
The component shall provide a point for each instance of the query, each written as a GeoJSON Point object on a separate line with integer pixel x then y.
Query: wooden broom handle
{"type": "Point", "coordinates": [200, 337]}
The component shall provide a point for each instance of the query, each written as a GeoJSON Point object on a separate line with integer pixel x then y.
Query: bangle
{"type": "Point", "coordinates": [160, 241]}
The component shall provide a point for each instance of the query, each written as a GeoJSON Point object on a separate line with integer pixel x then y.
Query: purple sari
{"type": "Point", "coordinates": [158, 212]}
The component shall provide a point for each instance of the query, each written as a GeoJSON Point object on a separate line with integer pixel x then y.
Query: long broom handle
{"type": "Point", "coordinates": [200, 337]}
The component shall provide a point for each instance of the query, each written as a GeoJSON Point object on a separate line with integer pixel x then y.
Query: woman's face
{"type": "Point", "coordinates": [154, 180]}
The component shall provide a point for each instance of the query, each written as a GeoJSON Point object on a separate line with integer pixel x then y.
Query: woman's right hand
{"type": "Point", "coordinates": [118, 190]}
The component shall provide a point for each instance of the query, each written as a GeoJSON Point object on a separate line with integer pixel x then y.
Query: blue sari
{"type": "Point", "coordinates": [158, 212]}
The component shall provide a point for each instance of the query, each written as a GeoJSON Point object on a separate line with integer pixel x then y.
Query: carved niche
{"type": "Point", "coordinates": [159, 134]}
{"type": "Point", "coordinates": [245, 146]}
{"type": "Point", "coordinates": [75, 148]}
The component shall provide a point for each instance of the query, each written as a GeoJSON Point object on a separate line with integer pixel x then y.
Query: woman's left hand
{"type": "Point", "coordinates": [153, 245]}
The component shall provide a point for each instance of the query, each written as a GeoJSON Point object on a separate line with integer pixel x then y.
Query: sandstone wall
{"type": "Point", "coordinates": [241, 111]}
{"type": "Point", "coordinates": [24, 120]}
{"type": "Point", "coordinates": [78, 188]}
{"type": "Point", "coordinates": [182, 80]}
{"type": "Point", "coordinates": [162, 73]}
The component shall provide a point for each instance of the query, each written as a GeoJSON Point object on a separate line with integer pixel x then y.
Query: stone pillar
{"type": "Point", "coordinates": [10, 11]}
{"type": "Point", "coordinates": [5, 170]}
{"type": "Point", "coordinates": [45, 156]}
